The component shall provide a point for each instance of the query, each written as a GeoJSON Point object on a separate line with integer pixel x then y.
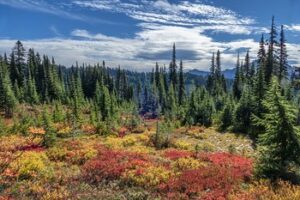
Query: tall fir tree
{"type": "Point", "coordinates": [8, 100]}
{"type": "Point", "coordinates": [272, 57]}
{"type": "Point", "coordinates": [279, 144]}
{"type": "Point", "coordinates": [283, 64]}
{"type": "Point", "coordinates": [173, 68]}
{"type": "Point", "coordinates": [181, 90]}
{"type": "Point", "coordinates": [237, 83]}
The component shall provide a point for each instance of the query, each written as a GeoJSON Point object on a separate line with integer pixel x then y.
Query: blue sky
{"type": "Point", "coordinates": [136, 34]}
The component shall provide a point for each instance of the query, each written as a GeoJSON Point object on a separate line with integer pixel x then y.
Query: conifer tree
{"type": "Point", "coordinates": [279, 144]}
{"type": "Point", "coordinates": [283, 64]}
{"type": "Point", "coordinates": [171, 103]}
{"type": "Point", "coordinates": [218, 70]}
{"type": "Point", "coordinates": [105, 104]}
{"type": "Point", "coordinates": [173, 68]}
{"type": "Point", "coordinates": [157, 75]}
{"type": "Point", "coordinates": [50, 135]}
{"type": "Point", "coordinates": [226, 117]}
{"type": "Point", "coordinates": [8, 100]}
{"type": "Point", "coordinates": [211, 76]}
{"type": "Point", "coordinates": [247, 67]}
{"type": "Point", "coordinates": [261, 55]}
{"type": "Point", "coordinates": [243, 112]}
{"type": "Point", "coordinates": [272, 58]}
{"type": "Point", "coordinates": [31, 94]}
{"type": "Point", "coordinates": [181, 92]}
{"type": "Point", "coordinates": [19, 61]}
{"type": "Point", "coordinates": [237, 84]}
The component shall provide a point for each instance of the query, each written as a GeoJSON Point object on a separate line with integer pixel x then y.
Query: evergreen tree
{"type": "Point", "coordinates": [279, 144]}
{"type": "Point", "coordinates": [8, 100]}
{"type": "Point", "coordinates": [261, 55]}
{"type": "Point", "coordinates": [181, 92]}
{"type": "Point", "coordinates": [211, 76]}
{"type": "Point", "coordinates": [31, 94]}
{"type": "Point", "coordinates": [237, 84]}
{"type": "Point", "coordinates": [173, 68]}
{"type": "Point", "coordinates": [243, 112]}
{"type": "Point", "coordinates": [19, 62]}
{"type": "Point", "coordinates": [247, 67]}
{"type": "Point", "coordinates": [50, 135]}
{"type": "Point", "coordinates": [283, 64]}
{"type": "Point", "coordinates": [226, 117]}
{"type": "Point", "coordinates": [272, 58]}
{"type": "Point", "coordinates": [171, 103]}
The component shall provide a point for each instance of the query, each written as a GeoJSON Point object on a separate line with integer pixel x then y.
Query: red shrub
{"type": "Point", "coordinates": [241, 167]}
{"type": "Point", "coordinates": [109, 165]}
{"type": "Point", "coordinates": [208, 183]}
{"type": "Point", "coordinates": [212, 182]}
{"type": "Point", "coordinates": [31, 147]}
{"type": "Point", "coordinates": [174, 154]}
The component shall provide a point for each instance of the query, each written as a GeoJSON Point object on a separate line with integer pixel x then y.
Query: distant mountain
{"type": "Point", "coordinates": [228, 73]}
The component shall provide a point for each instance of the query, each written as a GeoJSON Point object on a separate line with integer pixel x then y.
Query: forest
{"type": "Point", "coordinates": [95, 132]}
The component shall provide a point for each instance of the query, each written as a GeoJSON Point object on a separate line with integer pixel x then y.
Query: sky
{"type": "Point", "coordinates": [136, 34]}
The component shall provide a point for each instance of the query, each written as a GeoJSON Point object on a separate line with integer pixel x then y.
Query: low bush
{"type": "Point", "coordinates": [29, 165]}
{"type": "Point", "coordinates": [110, 165]}
{"type": "Point", "coordinates": [147, 176]}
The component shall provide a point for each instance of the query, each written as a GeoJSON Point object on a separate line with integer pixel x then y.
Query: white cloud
{"type": "Point", "coordinates": [293, 27]}
{"type": "Point", "coordinates": [161, 24]}
{"type": "Point", "coordinates": [128, 52]}
{"type": "Point", "coordinates": [44, 7]}
{"type": "Point", "coordinates": [185, 13]}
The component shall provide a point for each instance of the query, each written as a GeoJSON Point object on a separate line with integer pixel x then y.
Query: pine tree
{"type": "Point", "coordinates": [237, 83]}
{"type": "Point", "coordinates": [279, 144]}
{"type": "Point", "coordinates": [243, 112]}
{"type": "Point", "coordinates": [283, 64]}
{"type": "Point", "coordinates": [157, 75]}
{"type": "Point", "coordinates": [50, 135]}
{"type": "Point", "coordinates": [218, 70]}
{"type": "Point", "coordinates": [8, 100]}
{"type": "Point", "coordinates": [272, 61]}
{"type": "Point", "coordinates": [261, 55]}
{"type": "Point", "coordinates": [31, 94]}
{"type": "Point", "coordinates": [173, 68]}
{"type": "Point", "coordinates": [210, 84]}
{"type": "Point", "coordinates": [247, 67]}
{"type": "Point", "coordinates": [105, 104]}
{"type": "Point", "coordinates": [171, 103]}
{"type": "Point", "coordinates": [181, 92]}
{"type": "Point", "coordinates": [226, 117]}
{"type": "Point", "coordinates": [19, 61]}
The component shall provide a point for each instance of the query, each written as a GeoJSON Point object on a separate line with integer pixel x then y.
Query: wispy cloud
{"type": "Point", "coordinates": [160, 24]}
{"type": "Point", "coordinates": [50, 8]}
{"type": "Point", "coordinates": [185, 13]}
{"type": "Point", "coordinates": [293, 27]}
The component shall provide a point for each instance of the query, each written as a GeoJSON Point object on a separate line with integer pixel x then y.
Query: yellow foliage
{"type": "Point", "coordinates": [36, 131]}
{"type": "Point", "coordinates": [64, 130]}
{"type": "Point", "coordinates": [78, 154]}
{"type": "Point", "coordinates": [265, 191]}
{"type": "Point", "coordinates": [148, 177]}
{"type": "Point", "coordinates": [127, 141]}
{"type": "Point", "coordinates": [140, 149]}
{"type": "Point", "coordinates": [181, 144]}
{"type": "Point", "coordinates": [113, 142]}
{"type": "Point", "coordinates": [57, 193]}
{"type": "Point", "coordinates": [187, 163]}
{"type": "Point", "coordinates": [206, 146]}
{"type": "Point", "coordinates": [31, 164]}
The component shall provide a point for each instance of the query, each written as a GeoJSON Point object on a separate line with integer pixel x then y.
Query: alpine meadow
{"type": "Point", "coordinates": [149, 100]}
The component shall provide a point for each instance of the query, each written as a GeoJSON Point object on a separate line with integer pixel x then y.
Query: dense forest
{"type": "Point", "coordinates": [260, 103]}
